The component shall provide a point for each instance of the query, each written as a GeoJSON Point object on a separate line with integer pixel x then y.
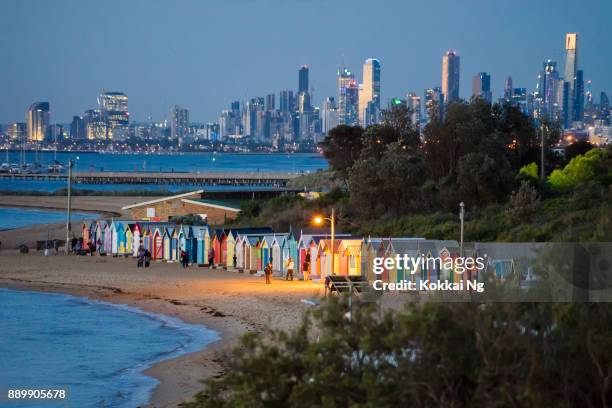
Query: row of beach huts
{"type": "Point", "coordinates": [250, 249]}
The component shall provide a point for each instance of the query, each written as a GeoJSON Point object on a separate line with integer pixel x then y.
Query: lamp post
{"type": "Point", "coordinates": [461, 217]}
{"type": "Point", "coordinates": [318, 220]}
{"type": "Point", "coordinates": [543, 131]}
{"type": "Point", "coordinates": [69, 208]}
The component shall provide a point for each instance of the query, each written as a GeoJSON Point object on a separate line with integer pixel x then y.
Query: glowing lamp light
{"type": "Point", "coordinates": [318, 220]}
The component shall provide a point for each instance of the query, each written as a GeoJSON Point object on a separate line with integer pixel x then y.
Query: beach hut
{"type": "Point", "coordinates": [230, 248]}
{"type": "Point", "coordinates": [181, 241]}
{"type": "Point", "coordinates": [100, 234]}
{"type": "Point", "coordinates": [349, 257]}
{"type": "Point", "coordinates": [137, 238]}
{"type": "Point", "coordinates": [85, 234]}
{"type": "Point", "coordinates": [239, 251]}
{"type": "Point", "coordinates": [216, 245]}
{"type": "Point", "coordinates": [191, 243]}
{"type": "Point", "coordinates": [157, 239]}
{"type": "Point", "coordinates": [108, 239]}
{"type": "Point", "coordinates": [252, 253]}
{"type": "Point", "coordinates": [174, 245]}
{"type": "Point", "coordinates": [202, 238]}
{"type": "Point", "coordinates": [167, 237]}
{"type": "Point", "coordinates": [129, 239]}
{"type": "Point", "coordinates": [266, 241]}
{"type": "Point", "coordinates": [280, 253]}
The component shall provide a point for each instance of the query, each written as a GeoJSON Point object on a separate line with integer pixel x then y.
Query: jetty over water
{"type": "Point", "coordinates": [260, 179]}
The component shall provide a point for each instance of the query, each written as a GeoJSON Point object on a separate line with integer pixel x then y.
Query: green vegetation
{"type": "Point", "coordinates": [385, 182]}
{"type": "Point", "coordinates": [428, 355]}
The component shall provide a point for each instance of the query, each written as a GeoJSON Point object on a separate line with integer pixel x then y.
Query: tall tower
{"type": "Point", "coordinates": [481, 86]}
{"type": "Point", "coordinates": [347, 97]}
{"type": "Point", "coordinates": [508, 90]}
{"type": "Point", "coordinates": [303, 79]}
{"type": "Point", "coordinates": [571, 68]}
{"type": "Point", "coordinates": [179, 124]}
{"type": "Point", "coordinates": [450, 76]}
{"type": "Point", "coordinates": [38, 121]}
{"type": "Point", "coordinates": [369, 93]}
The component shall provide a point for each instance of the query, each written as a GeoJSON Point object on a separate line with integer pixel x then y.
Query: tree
{"type": "Point", "coordinates": [482, 179]}
{"type": "Point", "coordinates": [576, 149]}
{"type": "Point", "coordinates": [399, 118]}
{"type": "Point", "coordinates": [342, 147]}
{"type": "Point", "coordinates": [581, 168]}
{"type": "Point", "coordinates": [389, 186]}
{"type": "Point", "coordinates": [430, 354]}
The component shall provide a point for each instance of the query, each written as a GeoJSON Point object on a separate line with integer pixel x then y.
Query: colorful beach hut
{"type": "Point", "coordinates": [167, 237]}
{"type": "Point", "coordinates": [108, 239]}
{"type": "Point", "coordinates": [129, 239]}
{"type": "Point", "coordinates": [85, 234]}
{"type": "Point", "coordinates": [202, 238]}
{"type": "Point", "coordinates": [158, 243]}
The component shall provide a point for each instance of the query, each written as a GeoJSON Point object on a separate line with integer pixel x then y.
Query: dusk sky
{"type": "Point", "coordinates": [204, 54]}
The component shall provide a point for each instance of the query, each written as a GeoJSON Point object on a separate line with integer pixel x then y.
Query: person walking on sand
{"type": "Point", "coordinates": [140, 257]}
{"type": "Point", "coordinates": [184, 259]}
{"type": "Point", "coordinates": [268, 273]}
{"type": "Point", "coordinates": [211, 258]}
{"type": "Point", "coordinates": [290, 266]}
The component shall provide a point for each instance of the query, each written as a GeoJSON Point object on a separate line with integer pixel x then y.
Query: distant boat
{"type": "Point", "coordinates": [56, 167]}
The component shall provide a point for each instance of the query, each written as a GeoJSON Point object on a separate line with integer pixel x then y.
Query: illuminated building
{"type": "Point", "coordinates": [37, 120]}
{"type": "Point", "coordinates": [369, 93]}
{"type": "Point", "coordinates": [330, 115]}
{"type": "Point", "coordinates": [571, 67]}
{"type": "Point", "coordinates": [434, 103]}
{"type": "Point", "coordinates": [481, 86]}
{"type": "Point", "coordinates": [179, 124]}
{"type": "Point", "coordinates": [17, 131]}
{"type": "Point", "coordinates": [347, 98]}
{"type": "Point", "coordinates": [78, 130]}
{"type": "Point", "coordinates": [115, 113]}
{"type": "Point", "coordinates": [413, 102]}
{"type": "Point", "coordinates": [450, 76]}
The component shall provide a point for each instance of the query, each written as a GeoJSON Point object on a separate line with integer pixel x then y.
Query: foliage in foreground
{"type": "Point", "coordinates": [428, 355]}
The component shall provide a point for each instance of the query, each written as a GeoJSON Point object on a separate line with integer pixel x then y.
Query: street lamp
{"type": "Point", "coordinates": [461, 217]}
{"type": "Point", "coordinates": [318, 220]}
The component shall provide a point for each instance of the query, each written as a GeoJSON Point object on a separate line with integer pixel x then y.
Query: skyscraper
{"type": "Point", "coordinates": [179, 124]}
{"type": "Point", "coordinates": [286, 101]}
{"type": "Point", "coordinates": [37, 120]}
{"type": "Point", "coordinates": [330, 115]}
{"type": "Point", "coordinates": [114, 109]}
{"type": "Point", "coordinates": [369, 93]}
{"type": "Point", "coordinates": [579, 96]}
{"type": "Point", "coordinates": [450, 76]}
{"type": "Point", "coordinates": [303, 79]}
{"type": "Point", "coordinates": [270, 102]}
{"type": "Point", "coordinates": [508, 90]}
{"type": "Point", "coordinates": [434, 103]}
{"type": "Point", "coordinates": [571, 65]}
{"type": "Point", "coordinates": [347, 97]}
{"type": "Point", "coordinates": [481, 86]}
{"type": "Point", "coordinates": [77, 128]}
{"type": "Point", "coordinates": [414, 104]}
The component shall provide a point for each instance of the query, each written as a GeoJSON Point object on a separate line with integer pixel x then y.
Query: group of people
{"type": "Point", "coordinates": [289, 264]}
{"type": "Point", "coordinates": [143, 257]}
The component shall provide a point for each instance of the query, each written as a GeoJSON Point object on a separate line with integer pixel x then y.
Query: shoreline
{"type": "Point", "coordinates": [154, 369]}
{"type": "Point", "coordinates": [106, 213]}
{"type": "Point", "coordinates": [226, 302]}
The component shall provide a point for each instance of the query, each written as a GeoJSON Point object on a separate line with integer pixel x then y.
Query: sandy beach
{"type": "Point", "coordinates": [228, 302]}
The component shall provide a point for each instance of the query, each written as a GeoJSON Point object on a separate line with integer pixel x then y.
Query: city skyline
{"type": "Point", "coordinates": [206, 85]}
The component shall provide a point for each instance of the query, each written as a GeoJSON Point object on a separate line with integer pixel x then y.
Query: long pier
{"type": "Point", "coordinates": [261, 179]}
